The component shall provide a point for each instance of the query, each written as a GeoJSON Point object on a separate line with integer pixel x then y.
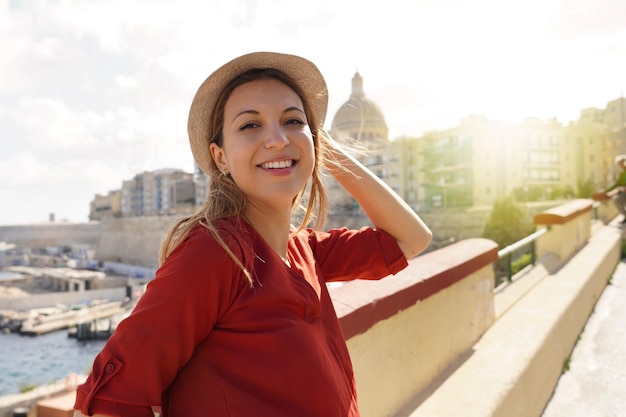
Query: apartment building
{"type": "Point", "coordinates": [151, 193]}
{"type": "Point", "coordinates": [201, 182]}
{"type": "Point", "coordinates": [104, 206]}
{"type": "Point", "coordinates": [164, 191]}
{"type": "Point", "coordinates": [481, 160]}
{"type": "Point", "coordinates": [600, 135]}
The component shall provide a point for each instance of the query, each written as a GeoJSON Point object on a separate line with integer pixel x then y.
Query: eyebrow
{"type": "Point", "coordinates": [255, 112]}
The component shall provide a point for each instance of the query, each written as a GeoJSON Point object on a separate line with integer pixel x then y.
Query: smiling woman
{"type": "Point", "coordinates": [238, 320]}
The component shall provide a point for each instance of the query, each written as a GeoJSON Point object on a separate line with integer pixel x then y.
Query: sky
{"type": "Point", "coordinates": [93, 92]}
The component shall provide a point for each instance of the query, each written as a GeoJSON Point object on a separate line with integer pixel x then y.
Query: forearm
{"type": "Point", "coordinates": [383, 206]}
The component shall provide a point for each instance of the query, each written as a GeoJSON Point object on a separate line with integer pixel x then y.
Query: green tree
{"type": "Point", "coordinates": [507, 222]}
{"type": "Point", "coordinates": [586, 187]}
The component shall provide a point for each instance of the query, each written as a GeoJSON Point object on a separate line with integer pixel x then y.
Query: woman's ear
{"type": "Point", "coordinates": [218, 156]}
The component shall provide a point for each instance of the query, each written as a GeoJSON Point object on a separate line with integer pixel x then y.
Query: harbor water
{"type": "Point", "coordinates": [31, 361]}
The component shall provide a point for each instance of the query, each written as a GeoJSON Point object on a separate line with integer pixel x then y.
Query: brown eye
{"type": "Point", "coordinates": [249, 125]}
{"type": "Point", "coordinates": [294, 121]}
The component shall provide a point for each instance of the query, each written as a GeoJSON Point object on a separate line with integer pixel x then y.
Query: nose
{"type": "Point", "coordinates": [276, 137]}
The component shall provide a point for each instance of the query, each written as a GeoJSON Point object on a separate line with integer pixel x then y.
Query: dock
{"type": "Point", "coordinates": [46, 323]}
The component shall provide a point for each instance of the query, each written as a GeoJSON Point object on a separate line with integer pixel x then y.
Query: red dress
{"type": "Point", "coordinates": [202, 342]}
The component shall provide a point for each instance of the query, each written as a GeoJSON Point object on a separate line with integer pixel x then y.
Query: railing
{"type": "Point", "coordinates": [506, 254]}
{"type": "Point", "coordinates": [595, 207]}
{"type": "Point", "coordinates": [569, 227]}
{"type": "Point", "coordinates": [417, 338]}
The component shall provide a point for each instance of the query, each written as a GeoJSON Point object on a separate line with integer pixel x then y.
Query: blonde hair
{"type": "Point", "coordinates": [225, 199]}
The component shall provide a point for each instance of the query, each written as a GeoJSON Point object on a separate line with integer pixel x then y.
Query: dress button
{"type": "Point", "coordinates": [109, 368]}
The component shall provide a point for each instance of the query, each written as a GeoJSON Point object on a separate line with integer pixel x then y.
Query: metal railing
{"type": "Point", "coordinates": [506, 254]}
{"type": "Point", "coordinates": [595, 206]}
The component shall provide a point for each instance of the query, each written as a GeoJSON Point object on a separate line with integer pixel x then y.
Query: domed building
{"type": "Point", "coordinates": [359, 124]}
{"type": "Point", "coordinates": [359, 120]}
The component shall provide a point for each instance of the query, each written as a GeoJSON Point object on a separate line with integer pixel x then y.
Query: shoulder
{"type": "Point", "coordinates": [204, 244]}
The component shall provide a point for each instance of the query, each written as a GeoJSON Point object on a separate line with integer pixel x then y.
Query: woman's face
{"type": "Point", "coordinates": [267, 144]}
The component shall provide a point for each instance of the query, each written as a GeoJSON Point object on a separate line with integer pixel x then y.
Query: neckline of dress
{"type": "Point", "coordinates": [250, 227]}
{"type": "Point", "coordinates": [285, 260]}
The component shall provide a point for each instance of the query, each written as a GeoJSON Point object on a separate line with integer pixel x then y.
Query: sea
{"type": "Point", "coordinates": [27, 361]}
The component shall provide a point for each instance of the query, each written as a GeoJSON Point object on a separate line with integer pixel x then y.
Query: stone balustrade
{"type": "Point", "coordinates": [429, 341]}
{"type": "Point", "coordinates": [570, 229]}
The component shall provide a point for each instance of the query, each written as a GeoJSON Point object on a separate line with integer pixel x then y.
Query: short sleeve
{"type": "Point", "coordinates": [367, 253]}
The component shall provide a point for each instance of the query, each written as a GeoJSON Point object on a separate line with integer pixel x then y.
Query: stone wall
{"type": "Point", "coordinates": [51, 234]}
{"type": "Point", "coordinates": [136, 240]}
{"type": "Point", "coordinates": [133, 240]}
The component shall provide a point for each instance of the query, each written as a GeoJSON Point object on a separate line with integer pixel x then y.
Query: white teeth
{"type": "Point", "coordinates": [278, 164]}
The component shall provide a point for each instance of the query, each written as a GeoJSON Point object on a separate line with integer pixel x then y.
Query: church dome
{"type": "Point", "coordinates": [360, 118]}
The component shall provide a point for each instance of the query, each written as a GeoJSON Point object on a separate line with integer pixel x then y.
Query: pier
{"type": "Point", "coordinates": [41, 323]}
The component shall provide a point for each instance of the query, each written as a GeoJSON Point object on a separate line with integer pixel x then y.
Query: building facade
{"type": "Point", "coordinates": [151, 193]}
{"type": "Point", "coordinates": [201, 182]}
{"type": "Point", "coordinates": [481, 160]}
{"type": "Point", "coordinates": [105, 206]}
{"type": "Point", "coordinates": [469, 165]}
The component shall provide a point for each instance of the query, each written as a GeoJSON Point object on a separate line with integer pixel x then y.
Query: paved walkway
{"type": "Point", "coordinates": [595, 385]}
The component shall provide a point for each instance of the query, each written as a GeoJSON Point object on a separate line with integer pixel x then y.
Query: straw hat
{"type": "Point", "coordinates": [303, 72]}
{"type": "Point", "coordinates": [618, 160]}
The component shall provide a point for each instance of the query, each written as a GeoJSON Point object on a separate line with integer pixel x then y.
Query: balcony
{"type": "Point", "coordinates": [439, 169]}
{"type": "Point", "coordinates": [439, 340]}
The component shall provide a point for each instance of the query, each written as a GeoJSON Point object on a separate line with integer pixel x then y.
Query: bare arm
{"type": "Point", "coordinates": [383, 206]}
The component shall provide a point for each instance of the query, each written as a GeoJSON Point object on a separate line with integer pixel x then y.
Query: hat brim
{"type": "Point", "coordinates": [300, 70]}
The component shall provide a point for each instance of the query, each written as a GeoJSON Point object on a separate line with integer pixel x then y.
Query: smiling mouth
{"type": "Point", "coordinates": [278, 164]}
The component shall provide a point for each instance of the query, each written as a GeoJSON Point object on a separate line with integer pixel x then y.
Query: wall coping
{"type": "Point", "coordinates": [361, 304]}
{"type": "Point", "coordinates": [513, 369]}
{"type": "Point", "coordinates": [563, 213]}
{"type": "Point", "coordinates": [604, 195]}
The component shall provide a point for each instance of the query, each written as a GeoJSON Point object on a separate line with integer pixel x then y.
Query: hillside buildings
{"type": "Point", "coordinates": [481, 160]}
{"type": "Point", "coordinates": [151, 193]}
{"type": "Point", "coordinates": [471, 164]}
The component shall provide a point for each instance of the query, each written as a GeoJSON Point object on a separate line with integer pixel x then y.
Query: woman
{"type": "Point", "coordinates": [238, 320]}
